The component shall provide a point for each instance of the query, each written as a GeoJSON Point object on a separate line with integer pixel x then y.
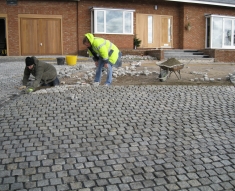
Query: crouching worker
{"type": "Point", "coordinates": [45, 74]}
{"type": "Point", "coordinates": [105, 54]}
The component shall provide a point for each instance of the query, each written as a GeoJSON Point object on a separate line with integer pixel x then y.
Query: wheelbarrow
{"type": "Point", "coordinates": [166, 68]}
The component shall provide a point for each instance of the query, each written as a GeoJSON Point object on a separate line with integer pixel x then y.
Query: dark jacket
{"type": "Point", "coordinates": [43, 72]}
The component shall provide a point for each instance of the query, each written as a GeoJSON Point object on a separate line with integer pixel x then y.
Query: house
{"type": "Point", "coordinates": [57, 27]}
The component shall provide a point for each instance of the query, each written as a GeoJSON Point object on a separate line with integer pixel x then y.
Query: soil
{"type": "Point", "coordinates": [191, 74]}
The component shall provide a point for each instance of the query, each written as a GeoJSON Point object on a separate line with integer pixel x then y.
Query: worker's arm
{"type": "Point", "coordinates": [26, 76]}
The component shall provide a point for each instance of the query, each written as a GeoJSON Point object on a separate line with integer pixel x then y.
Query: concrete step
{"type": "Point", "coordinates": [194, 60]}
{"type": "Point", "coordinates": [184, 54]}
{"type": "Point", "coordinates": [181, 50]}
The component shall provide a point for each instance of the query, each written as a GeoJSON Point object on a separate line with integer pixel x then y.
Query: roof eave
{"type": "Point", "coordinates": [204, 2]}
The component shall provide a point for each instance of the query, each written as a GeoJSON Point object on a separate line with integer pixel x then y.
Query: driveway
{"type": "Point", "coordinates": [118, 138]}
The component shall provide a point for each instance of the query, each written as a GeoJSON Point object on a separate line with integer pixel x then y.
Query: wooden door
{"type": "Point", "coordinates": [154, 30]}
{"type": "Point", "coordinates": [40, 36]}
{"type": "Point", "coordinates": [147, 30]}
{"type": "Point", "coordinates": [141, 32]}
{"type": "Point", "coordinates": [166, 31]}
{"type": "Point", "coordinates": [29, 34]}
{"type": "Point", "coordinates": [49, 36]}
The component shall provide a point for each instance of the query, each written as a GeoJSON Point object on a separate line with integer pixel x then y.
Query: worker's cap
{"type": "Point", "coordinates": [29, 61]}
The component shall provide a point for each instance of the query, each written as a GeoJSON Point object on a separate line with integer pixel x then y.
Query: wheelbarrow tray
{"type": "Point", "coordinates": [171, 67]}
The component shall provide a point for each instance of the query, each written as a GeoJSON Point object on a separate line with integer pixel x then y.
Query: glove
{"type": "Point", "coordinates": [29, 90]}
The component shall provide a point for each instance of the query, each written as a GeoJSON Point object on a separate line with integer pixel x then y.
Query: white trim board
{"type": "Point", "coordinates": [205, 2]}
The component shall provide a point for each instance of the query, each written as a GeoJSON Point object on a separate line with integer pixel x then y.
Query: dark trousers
{"type": "Point", "coordinates": [119, 61]}
{"type": "Point", "coordinates": [55, 82]}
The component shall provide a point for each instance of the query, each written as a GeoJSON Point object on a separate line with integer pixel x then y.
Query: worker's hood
{"type": "Point", "coordinates": [90, 37]}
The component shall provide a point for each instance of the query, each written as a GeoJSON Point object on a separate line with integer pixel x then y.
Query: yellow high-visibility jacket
{"type": "Point", "coordinates": [103, 48]}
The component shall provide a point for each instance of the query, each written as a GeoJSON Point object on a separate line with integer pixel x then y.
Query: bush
{"type": "Point", "coordinates": [137, 42]}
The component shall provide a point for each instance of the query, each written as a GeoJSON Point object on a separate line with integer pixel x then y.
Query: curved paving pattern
{"type": "Point", "coordinates": [118, 138]}
{"type": "Point", "coordinates": [11, 74]}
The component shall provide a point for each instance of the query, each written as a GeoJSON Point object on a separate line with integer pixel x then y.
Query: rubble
{"type": "Point", "coordinates": [131, 70]}
{"type": "Point", "coordinates": [137, 57]}
{"type": "Point", "coordinates": [85, 71]}
{"type": "Point", "coordinates": [232, 78]}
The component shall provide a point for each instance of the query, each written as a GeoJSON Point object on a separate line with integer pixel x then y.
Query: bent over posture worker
{"type": "Point", "coordinates": [105, 54]}
{"type": "Point", "coordinates": [45, 74]}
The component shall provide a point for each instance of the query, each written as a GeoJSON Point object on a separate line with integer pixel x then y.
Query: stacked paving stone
{"type": "Point", "coordinates": [232, 77]}
{"type": "Point", "coordinates": [204, 77]}
{"type": "Point", "coordinates": [119, 138]}
{"type": "Point", "coordinates": [137, 57]}
{"type": "Point", "coordinates": [89, 70]}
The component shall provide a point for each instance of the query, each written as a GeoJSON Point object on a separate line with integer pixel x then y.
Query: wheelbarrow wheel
{"type": "Point", "coordinates": [163, 75]}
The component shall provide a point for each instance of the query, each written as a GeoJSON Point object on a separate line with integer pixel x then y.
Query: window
{"type": "Point", "coordinates": [112, 21]}
{"type": "Point", "coordinates": [217, 32]}
{"type": "Point", "coordinates": [150, 29]}
{"type": "Point", "coordinates": [220, 32]}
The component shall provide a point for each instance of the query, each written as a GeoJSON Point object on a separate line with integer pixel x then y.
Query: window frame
{"type": "Point", "coordinates": [94, 21]}
{"type": "Point", "coordinates": [209, 43]}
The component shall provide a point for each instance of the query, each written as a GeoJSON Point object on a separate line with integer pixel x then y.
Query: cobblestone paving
{"type": "Point", "coordinates": [11, 74]}
{"type": "Point", "coordinates": [118, 138]}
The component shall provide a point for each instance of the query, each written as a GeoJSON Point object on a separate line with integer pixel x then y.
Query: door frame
{"type": "Point", "coordinates": [170, 30]}
{"type": "Point", "coordinates": [157, 30]}
{"type": "Point", "coordinates": [34, 16]}
{"type": "Point", "coordinates": [4, 16]}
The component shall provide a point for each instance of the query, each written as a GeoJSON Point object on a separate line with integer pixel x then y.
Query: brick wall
{"type": "Point", "coordinates": [159, 54]}
{"type": "Point", "coordinates": [224, 55]}
{"type": "Point", "coordinates": [124, 41]}
{"type": "Point", "coordinates": [182, 14]}
{"type": "Point", "coordinates": [67, 9]}
{"type": "Point", "coordinates": [84, 14]}
{"type": "Point", "coordinates": [76, 21]}
{"type": "Point", "coordinates": [195, 14]}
